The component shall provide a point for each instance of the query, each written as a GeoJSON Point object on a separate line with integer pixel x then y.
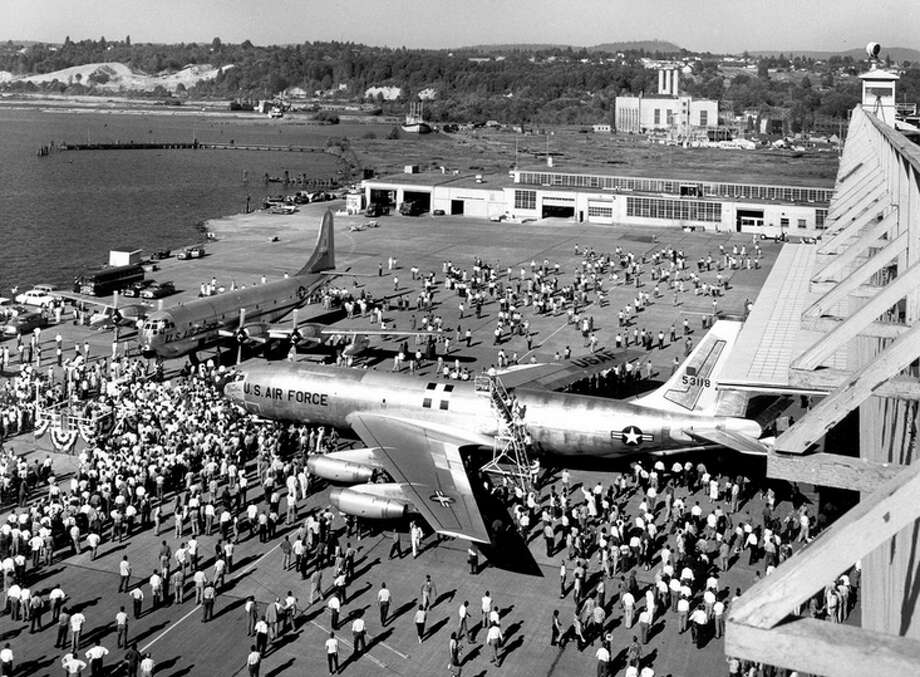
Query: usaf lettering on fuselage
{"type": "Point", "coordinates": [291, 395]}
{"type": "Point", "coordinates": [600, 357]}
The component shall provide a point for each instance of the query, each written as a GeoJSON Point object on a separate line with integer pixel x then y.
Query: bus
{"type": "Point", "coordinates": [107, 280]}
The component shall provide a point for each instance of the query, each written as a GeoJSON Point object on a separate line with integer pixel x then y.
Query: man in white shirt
{"type": "Point", "coordinates": [72, 665]}
{"type": "Point", "coordinates": [335, 606]}
{"type": "Point", "coordinates": [383, 600]}
{"type": "Point", "coordinates": [95, 656]}
{"type": "Point", "coordinates": [6, 659]}
{"type": "Point", "coordinates": [121, 628]}
{"type": "Point", "coordinates": [76, 628]}
{"type": "Point", "coordinates": [358, 632]}
{"type": "Point", "coordinates": [332, 653]}
{"type": "Point", "coordinates": [124, 574]}
{"type": "Point", "coordinates": [252, 661]}
{"type": "Point", "coordinates": [494, 639]}
{"type": "Point", "coordinates": [147, 666]}
{"type": "Point", "coordinates": [463, 613]}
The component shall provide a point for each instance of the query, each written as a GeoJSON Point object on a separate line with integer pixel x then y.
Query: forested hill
{"type": "Point", "coordinates": [552, 85]}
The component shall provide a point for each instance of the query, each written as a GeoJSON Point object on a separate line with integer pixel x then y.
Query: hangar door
{"type": "Point", "coordinates": [748, 218]}
{"type": "Point", "coordinates": [558, 207]}
{"type": "Point", "coordinates": [422, 198]}
{"type": "Point", "coordinates": [386, 198]}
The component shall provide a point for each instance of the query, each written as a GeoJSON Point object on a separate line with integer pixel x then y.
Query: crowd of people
{"type": "Point", "coordinates": [653, 546]}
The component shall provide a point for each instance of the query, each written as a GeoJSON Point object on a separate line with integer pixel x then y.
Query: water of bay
{"type": "Point", "coordinates": [62, 213]}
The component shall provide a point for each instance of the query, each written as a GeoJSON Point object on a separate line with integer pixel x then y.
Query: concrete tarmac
{"type": "Point", "coordinates": [248, 247]}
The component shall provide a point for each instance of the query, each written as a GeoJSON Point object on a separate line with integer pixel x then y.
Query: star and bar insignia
{"type": "Point", "coordinates": [631, 436]}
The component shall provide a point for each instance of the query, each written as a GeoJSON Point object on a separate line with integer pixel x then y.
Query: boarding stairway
{"type": "Point", "coordinates": [509, 452]}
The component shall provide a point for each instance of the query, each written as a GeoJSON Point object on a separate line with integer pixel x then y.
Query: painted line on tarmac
{"type": "Point", "coordinates": [373, 660]}
{"type": "Point", "coordinates": [171, 627]}
{"type": "Point", "coordinates": [543, 342]}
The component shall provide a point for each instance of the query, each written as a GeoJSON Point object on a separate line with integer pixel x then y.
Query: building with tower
{"type": "Point", "coordinates": [665, 111]}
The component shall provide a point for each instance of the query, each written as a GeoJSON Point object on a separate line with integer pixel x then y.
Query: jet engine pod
{"type": "Point", "coordinates": [873, 49]}
{"type": "Point", "coordinates": [361, 504]}
{"type": "Point", "coordinates": [336, 470]}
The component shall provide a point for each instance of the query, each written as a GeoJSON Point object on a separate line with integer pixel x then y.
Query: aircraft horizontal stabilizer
{"type": "Point", "coordinates": [733, 440]}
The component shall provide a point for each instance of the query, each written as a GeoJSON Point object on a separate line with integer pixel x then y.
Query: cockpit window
{"type": "Point", "coordinates": [155, 326]}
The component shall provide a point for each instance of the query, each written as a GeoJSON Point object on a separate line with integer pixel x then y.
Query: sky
{"type": "Point", "coordinates": [722, 26]}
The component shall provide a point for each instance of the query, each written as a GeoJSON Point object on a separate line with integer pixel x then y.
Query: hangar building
{"type": "Point", "coordinates": [588, 196]}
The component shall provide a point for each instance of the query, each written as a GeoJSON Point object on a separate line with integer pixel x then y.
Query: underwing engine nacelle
{"type": "Point", "coordinates": [350, 466]}
{"type": "Point", "coordinates": [372, 501]}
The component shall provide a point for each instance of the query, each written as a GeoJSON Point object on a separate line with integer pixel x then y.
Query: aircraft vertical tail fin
{"type": "Point", "coordinates": [692, 387]}
{"type": "Point", "coordinates": [323, 257]}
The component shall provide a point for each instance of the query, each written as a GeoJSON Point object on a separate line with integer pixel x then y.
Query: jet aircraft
{"type": "Point", "coordinates": [414, 428]}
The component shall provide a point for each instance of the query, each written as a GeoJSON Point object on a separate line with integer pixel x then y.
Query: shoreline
{"type": "Point", "coordinates": [124, 105]}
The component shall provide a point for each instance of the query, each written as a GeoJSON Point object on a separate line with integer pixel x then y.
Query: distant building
{"type": "Point", "coordinates": [665, 111]}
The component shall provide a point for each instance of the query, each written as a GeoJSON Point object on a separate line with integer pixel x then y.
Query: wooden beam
{"type": "Point", "coordinates": [865, 291]}
{"type": "Point", "coordinates": [858, 277]}
{"type": "Point", "coordinates": [831, 410]}
{"type": "Point", "coordinates": [827, 324]}
{"type": "Point", "coordinates": [853, 207]}
{"type": "Point", "coordinates": [825, 648]}
{"type": "Point", "coordinates": [826, 379]}
{"type": "Point", "coordinates": [871, 522]}
{"type": "Point", "coordinates": [830, 470]}
{"type": "Point", "coordinates": [858, 321]}
{"type": "Point", "coordinates": [844, 200]}
{"type": "Point", "coordinates": [852, 250]}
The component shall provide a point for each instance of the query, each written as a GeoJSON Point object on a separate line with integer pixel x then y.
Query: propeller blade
{"type": "Point", "coordinates": [240, 336]}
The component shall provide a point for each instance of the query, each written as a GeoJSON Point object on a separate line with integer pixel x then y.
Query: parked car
{"type": "Point", "coordinates": [191, 253]}
{"type": "Point", "coordinates": [25, 323]}
{"type": "Point", "coordinates": [160, 254]}
{"type": "Point", "coordinates": [158, 290]}
{"type": "Point", "coordinates": [40, 295]}
{"type": "Point", "coordinates": [438, 212]}
{"type": "Point", "coordinates": [135, 289]}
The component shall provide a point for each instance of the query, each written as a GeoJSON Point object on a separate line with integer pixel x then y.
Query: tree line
{"type": "Point", "coordinates": [529, 86]}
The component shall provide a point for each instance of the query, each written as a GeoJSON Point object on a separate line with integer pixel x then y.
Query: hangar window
{"type": "Point", "coordinates": [681, 210]}
{"type": "Point", "coordinates": [444, 404]}
{"type": "Point", "coordinates": [704, 118]}
{"type": "Point", "coordinates": [525, 199]}
{"type": "Point", "coordinates": [426, 403]}
{"type": "Point", "coordinates": [802, 223]}
{"type": "Point", "coordinates": [431, 386]}
{"type": "Point", "coordinates": [449, 388]}
{"type": "Point", "coordinates": [820, 217]}
{"type": "Point", "coordinates": [602, 212]}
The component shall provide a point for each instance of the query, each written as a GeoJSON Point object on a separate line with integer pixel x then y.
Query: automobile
{"type": "Point", "coordinates": [135, 289]}
{"type": "Point", "coordinates": [376, 209]}
{"type": "Point", "coordinates": [40, 295]}
{"type": "Point", "coordinates": [158, 290]}
{"type": "Point", "coordinates": [25, 323]}
{"type": "Point", "coordinates": [160, 254]}
{"type": "Point", "coordinates": [438, 212]}
{"type": "Point", "coordinates": [498, 217]}
{"type": "Point", "coordinates": [195, 252]}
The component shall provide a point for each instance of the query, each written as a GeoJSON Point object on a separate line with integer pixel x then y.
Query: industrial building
{"type": "Point", "coordinates": [588, 196]}
{"type": "Point", "coordinates": [666, 111]}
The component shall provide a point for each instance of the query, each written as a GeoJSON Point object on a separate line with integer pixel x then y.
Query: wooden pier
{"type": "Point", "coordinates": [194, 145]}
